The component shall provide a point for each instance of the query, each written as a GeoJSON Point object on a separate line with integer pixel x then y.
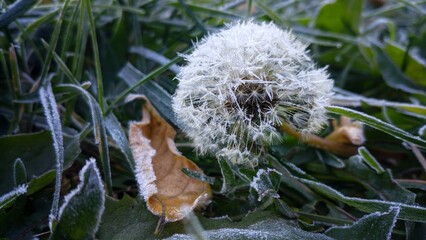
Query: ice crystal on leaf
{"type": "Point", "coordinates": [240, 84]}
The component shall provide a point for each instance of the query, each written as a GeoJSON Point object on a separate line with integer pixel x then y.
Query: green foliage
{"type": "Point", "coordinates": [81, 212]}
{"type": "Point", "coordinates": [346, 15]}
{"type": "Point", "coordinates": [377, 225]}
{"type": "Point", "coordinates": [67, 68]}
{"type": "Point", "coordinates": [36, 153]}
{"type": "Point", "coordinates": [129, 218]}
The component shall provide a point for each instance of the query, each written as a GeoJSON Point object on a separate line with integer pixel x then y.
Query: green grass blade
{"type": "Point", "coordinates": [148, 77]}
{"type": "Point", "coordinates": [95, 49]}
{"type": "Point", "coordinates": [80, 45]}
{"type": "Point", "coordinates": [53, 42]}
{"type": "Point", "coordinates": [15, 11]}
{"type": "Point", "coordinates": [15, 85]}
{"type": "Point", "coordinates": [211, 12]}
{"type": "Point", "coordinates": [408, 212]}
{"type": "Point", "coordinates": [269, 12]}
{"type": "Point", "coordinates": [378, 124]}
{"type": "Point", "coordinates": [191, 15]}
{"type": "Point", "coordinates": [98, 128]}
{"type": "Point", "coordinates": [116, 132]}
{"type": "Point", "coordinates": [62, 65]}
{"type": "Point", "coordinates": [370, 160]}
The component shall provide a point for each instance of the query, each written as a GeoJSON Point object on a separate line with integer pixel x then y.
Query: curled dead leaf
{"type": "Point", "coordinates": [168, 192]}
{"type": "Point", "coordinates": [347, 132]}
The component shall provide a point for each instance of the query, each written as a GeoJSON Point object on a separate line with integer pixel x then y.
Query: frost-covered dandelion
{"type": "Point", "coordinates": [242, 83]}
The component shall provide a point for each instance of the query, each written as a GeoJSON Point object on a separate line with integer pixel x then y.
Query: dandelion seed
{"type": "Point", "coordinates": [242, 83]}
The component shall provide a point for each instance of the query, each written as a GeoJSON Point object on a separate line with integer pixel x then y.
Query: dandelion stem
{"type": "Point", "coordinates": [337, 148]}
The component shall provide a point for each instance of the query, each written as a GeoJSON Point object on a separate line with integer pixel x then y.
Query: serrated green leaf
{"type": "Point", "coordinates": [373, 226]}
{"type": "Point", "coordinates": [81, 213]}
{"type": "Point", "coordinates": [229, 178]}
{"type": "Point", "coordinates": [378, 124]}
{"type": "Point", "coordinates": [266, 183]}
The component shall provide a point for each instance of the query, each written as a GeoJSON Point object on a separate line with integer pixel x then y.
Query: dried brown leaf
{"type": "Point", "coordinates": [168, 192]}
{"type": "Point", "coordinates": [347, 132]}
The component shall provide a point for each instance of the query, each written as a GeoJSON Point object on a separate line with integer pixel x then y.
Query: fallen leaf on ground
{"type": "Point", "coordinates": [347, 132]}
{"type": "Point", "coordinates": [168, 192]}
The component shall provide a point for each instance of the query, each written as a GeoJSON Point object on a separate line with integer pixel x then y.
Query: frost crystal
{"type": "Point", "coordinates": [242, 83]}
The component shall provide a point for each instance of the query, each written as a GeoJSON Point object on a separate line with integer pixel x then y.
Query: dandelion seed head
{"type": "Point", "coordinates": [240, 84]}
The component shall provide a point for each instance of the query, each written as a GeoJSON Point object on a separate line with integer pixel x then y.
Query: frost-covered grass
{"type": "Point", "coordinates": [70, 71]}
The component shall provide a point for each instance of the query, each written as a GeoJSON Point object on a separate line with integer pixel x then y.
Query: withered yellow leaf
{"type": "Point", "coordinates": [166, 189]}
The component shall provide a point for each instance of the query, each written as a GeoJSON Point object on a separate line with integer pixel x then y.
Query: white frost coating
{"type": "Point", "coordinates": [259, 185]}
{"type": "Point", "coordinates": [350, 201]}
{"type": "Point", "coordinates": [422, 130]}
{"type": "Point", "coordinates": [356, 100]}
{"type": "Point", "coordinates": [69, 196]}
{"type": "Point", "coordinates": [242, 83]}
{"type": "Point", "coordinates": [21, 189]}
{"type": "Point", "coordinates": [51, 112]}
{"type": "Point", "coordinates": [268, 229]}
{"type": "Point", "coordinates": [143, 154]}
{"type": "Point", "coordinates": [368, 217]}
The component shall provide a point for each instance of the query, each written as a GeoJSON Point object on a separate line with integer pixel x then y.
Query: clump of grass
{"type": "Point", "coordinates": [67, 68]}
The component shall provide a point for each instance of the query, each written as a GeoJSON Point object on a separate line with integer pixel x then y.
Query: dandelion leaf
{"type": "Point", "coordinates": [81, 212]}
{"type": "Point", "coordinates": [129, 218]}
{"type": "Point", "coordinates": [257, 225]}
{"type": "Point", "coordinates": [168, 192]}
{"type": "Point", "coordinates": [373, 226]}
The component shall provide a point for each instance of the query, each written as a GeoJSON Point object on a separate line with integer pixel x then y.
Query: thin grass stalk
{"type": "Point", "coordinates": [80, 45]}
{"type": "Point", "coordinates": [53, 43]}
{"type": "Point", "coordinates": [66, 35]}
{"type": "Point", "coordinates": [103, 144]}
{"type": "Point", "coordinates": [98, 124]}
{"type": "Point", "coordinates": [95, 49]}
{"type": "Point", "coordinates": [147, 78]}
{"type": "Point", "coordinates": [15, 83]}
